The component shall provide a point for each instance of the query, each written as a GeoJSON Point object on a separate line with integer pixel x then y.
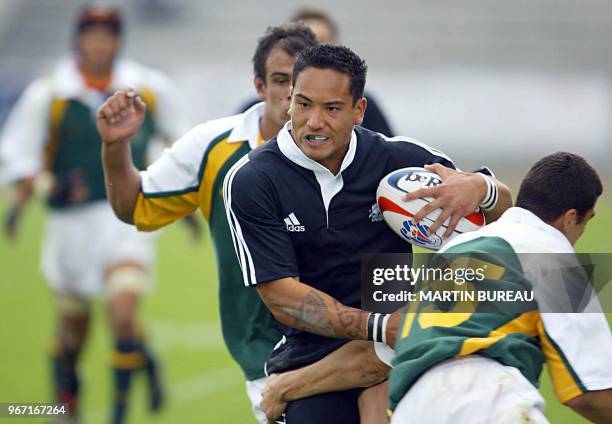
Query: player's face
{"type": "Point", "coordinates": [323, 115]}
{"type": "Point", "coordinates": [98, 46]}
{"type": "Point", "coordinates": [574, 228]}
{"type": "Point", "coordinates": [276, 90]}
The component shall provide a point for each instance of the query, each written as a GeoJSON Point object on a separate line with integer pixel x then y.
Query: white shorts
{"type": "Point", "coordinates": [471, 390]}
{"type": "Point", "coordinates": [254, 389]}
{"type": "Point", "coordinates": [82, 242]}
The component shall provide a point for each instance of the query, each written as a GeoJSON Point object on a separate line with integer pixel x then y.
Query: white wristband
{"type": "Point", "coordinates": [490, 200]}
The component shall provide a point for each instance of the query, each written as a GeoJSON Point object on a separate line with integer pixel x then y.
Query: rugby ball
{"type": "Point", "coordinates": [398, 214]}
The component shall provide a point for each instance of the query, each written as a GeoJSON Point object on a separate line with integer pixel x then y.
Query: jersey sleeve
{"type": "Point", "coordinates": [578, 351]}
{"type": "Point", "coordinates": [169, 186]}
{"type": "Point", "coordinates": [25, 133]}
{"type": "Point", "coordinates": [262, 244]}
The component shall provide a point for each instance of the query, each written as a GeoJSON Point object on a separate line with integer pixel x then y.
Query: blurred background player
{"type": "Point", "coordinates": [87, 250]}
{"type": "Point", "coordinates": [190, 176]}
{"type": "Point", "coordinates": [326, 31]}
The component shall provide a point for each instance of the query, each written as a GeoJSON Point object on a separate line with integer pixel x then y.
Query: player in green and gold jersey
{"type": "Point", "coordinates": [483, 364]}
{"type": "Point", "coordinates": [190, 176]}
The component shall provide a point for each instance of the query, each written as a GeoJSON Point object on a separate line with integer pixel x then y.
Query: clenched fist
{"type": "Point", "coordinates": [120, 117]}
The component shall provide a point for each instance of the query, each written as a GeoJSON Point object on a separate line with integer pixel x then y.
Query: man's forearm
{"type": "Point", "coordinates": [300, 306]}
{"type": "Point", "coordinates": [353, 365]}
{"type": "Point", "coordinates": [121, 178]}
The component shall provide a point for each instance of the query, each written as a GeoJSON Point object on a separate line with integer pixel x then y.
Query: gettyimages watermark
{"type": "Point", "coordinates": [483, 282]}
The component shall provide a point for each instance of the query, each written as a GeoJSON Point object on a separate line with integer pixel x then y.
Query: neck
{"type": "Point", "coordinates": [268, 128]}
{"type": "Point", "coordinates": [334, 164]}
{"type": "Point", "coordinates": [94, 70]}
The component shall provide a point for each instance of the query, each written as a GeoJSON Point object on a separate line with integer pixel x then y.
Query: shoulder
{"type": "Point", "coordinates": [210, 133]}
{"type": "Point", "coordinates": [39, 90]}
{"type": "Point", "coordinates": [258, 167]}
{"type": "Point", "coordinates": [399, 147]}
{"type": "Point", "coordinates": [411, 145]}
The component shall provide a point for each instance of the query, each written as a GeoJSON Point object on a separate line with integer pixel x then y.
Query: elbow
{"type": "Point", "coordinates": [280, 315]}
{"type": "Point", "coordinates": [124, 214]}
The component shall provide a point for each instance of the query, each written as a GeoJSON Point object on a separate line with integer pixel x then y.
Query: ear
{"type": "Point", "coordinates": [289, 111]}
{"type": "Point", "coordinates": [260, 87]}
{"type": "Point", "coordinates": [570, 218]}
{"type": "Point", "coordinates": [360, 108]}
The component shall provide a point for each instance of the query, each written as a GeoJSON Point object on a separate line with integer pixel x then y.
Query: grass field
{"type": "Point", "coordinates": [181, 319]}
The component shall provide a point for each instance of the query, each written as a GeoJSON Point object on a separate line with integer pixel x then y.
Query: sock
{"type": "Point", "coordinates": [65, 378]}
{"type": "Point", "coordinates": [127, 358]}
{"type": "Point", "coordinates": [156, 394]}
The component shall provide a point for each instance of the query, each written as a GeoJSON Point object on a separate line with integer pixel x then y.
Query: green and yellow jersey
{"type": "Point", "coordinates": [190, 176]}
{"type": "Point", "coordinates": [53, 128]}
{"type": "Point", "coordinates": [577, 347]}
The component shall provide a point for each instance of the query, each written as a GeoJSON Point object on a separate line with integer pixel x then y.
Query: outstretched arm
{"type": "Point", "coordinates": [353, 365]}
{"type": "Point", "coordinates": [118, 120]}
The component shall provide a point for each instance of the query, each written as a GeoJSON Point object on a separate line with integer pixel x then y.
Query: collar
{"type": "Point", "coordinates": [523, 216]}
{"type": "Point", "coordinates": [290, 149]}
{"type": "Point", "coordinates": [247, 128]}
{"type": "Point", "coordinates": [69, 82]}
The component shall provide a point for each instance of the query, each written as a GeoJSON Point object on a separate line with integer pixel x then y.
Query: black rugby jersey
{"type": "Point", "coordinates": [290, 216]}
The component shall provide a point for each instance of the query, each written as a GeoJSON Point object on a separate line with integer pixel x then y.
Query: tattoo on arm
{"type": "Point", "coordinates": [350, 320]}
{"type": "Point", "coordinates": [315, 316]}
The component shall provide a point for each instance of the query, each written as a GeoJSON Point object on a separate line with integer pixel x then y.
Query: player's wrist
{"type": "Point", "coordinates": [377, 327]}
{"type": "Point", "coordinates": [115, 143]}
{"type": "Point", "coordinates": [491, 196]}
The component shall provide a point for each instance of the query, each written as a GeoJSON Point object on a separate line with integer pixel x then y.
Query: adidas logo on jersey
{"type": "Point", "coordinates": [375, 213]}
{"type": "Point", "coordinates": [293, 225]}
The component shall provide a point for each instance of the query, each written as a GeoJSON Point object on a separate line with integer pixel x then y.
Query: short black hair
{"type": "Point", "coordinates": [91, 15]}
{"type": "Point", "coordinates": [308, 14]}
{"type": "Point", "coordinates": [557, 183]}
{"type": "Point", "coordinates": [293, 38]}
{"type": "Point", "coordinates": [338, 58]}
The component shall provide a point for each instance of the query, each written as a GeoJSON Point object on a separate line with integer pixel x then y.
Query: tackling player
{"type": "Point", "coordinates": [87, 250]}
{"type": "Point", "coordinates": [190, 176]}
{"type": "Point", "coordinates": [450, 365]}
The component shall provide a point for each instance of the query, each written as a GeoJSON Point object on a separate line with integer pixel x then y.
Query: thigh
{"type": "Point", "coordinates": [327, 408]}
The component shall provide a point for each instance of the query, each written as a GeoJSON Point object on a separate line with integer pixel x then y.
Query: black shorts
{"type": "Point", "coordinates": [326, 408]}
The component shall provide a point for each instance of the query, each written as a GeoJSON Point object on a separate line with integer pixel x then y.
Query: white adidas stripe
{"type": "Point", "coordinates": [242, 249]}
{"type": "Point", "coordinates": [293, 219]}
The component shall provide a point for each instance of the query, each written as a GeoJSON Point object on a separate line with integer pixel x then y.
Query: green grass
{"type": "Point", "coordinates": [182, 323]}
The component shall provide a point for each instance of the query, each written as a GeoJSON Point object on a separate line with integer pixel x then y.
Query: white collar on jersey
{"type": "Point", "coordinates": [67, 81]}
{"type": "Point", "coordinates": [287, 146]}
{"type": "Point", "coordinates": [524, 216]}
{"type": "Point", "coordinates": [247, 128]}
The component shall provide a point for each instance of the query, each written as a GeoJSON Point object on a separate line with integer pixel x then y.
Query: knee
{"type": "Point", "coordinates": [125, 286]}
